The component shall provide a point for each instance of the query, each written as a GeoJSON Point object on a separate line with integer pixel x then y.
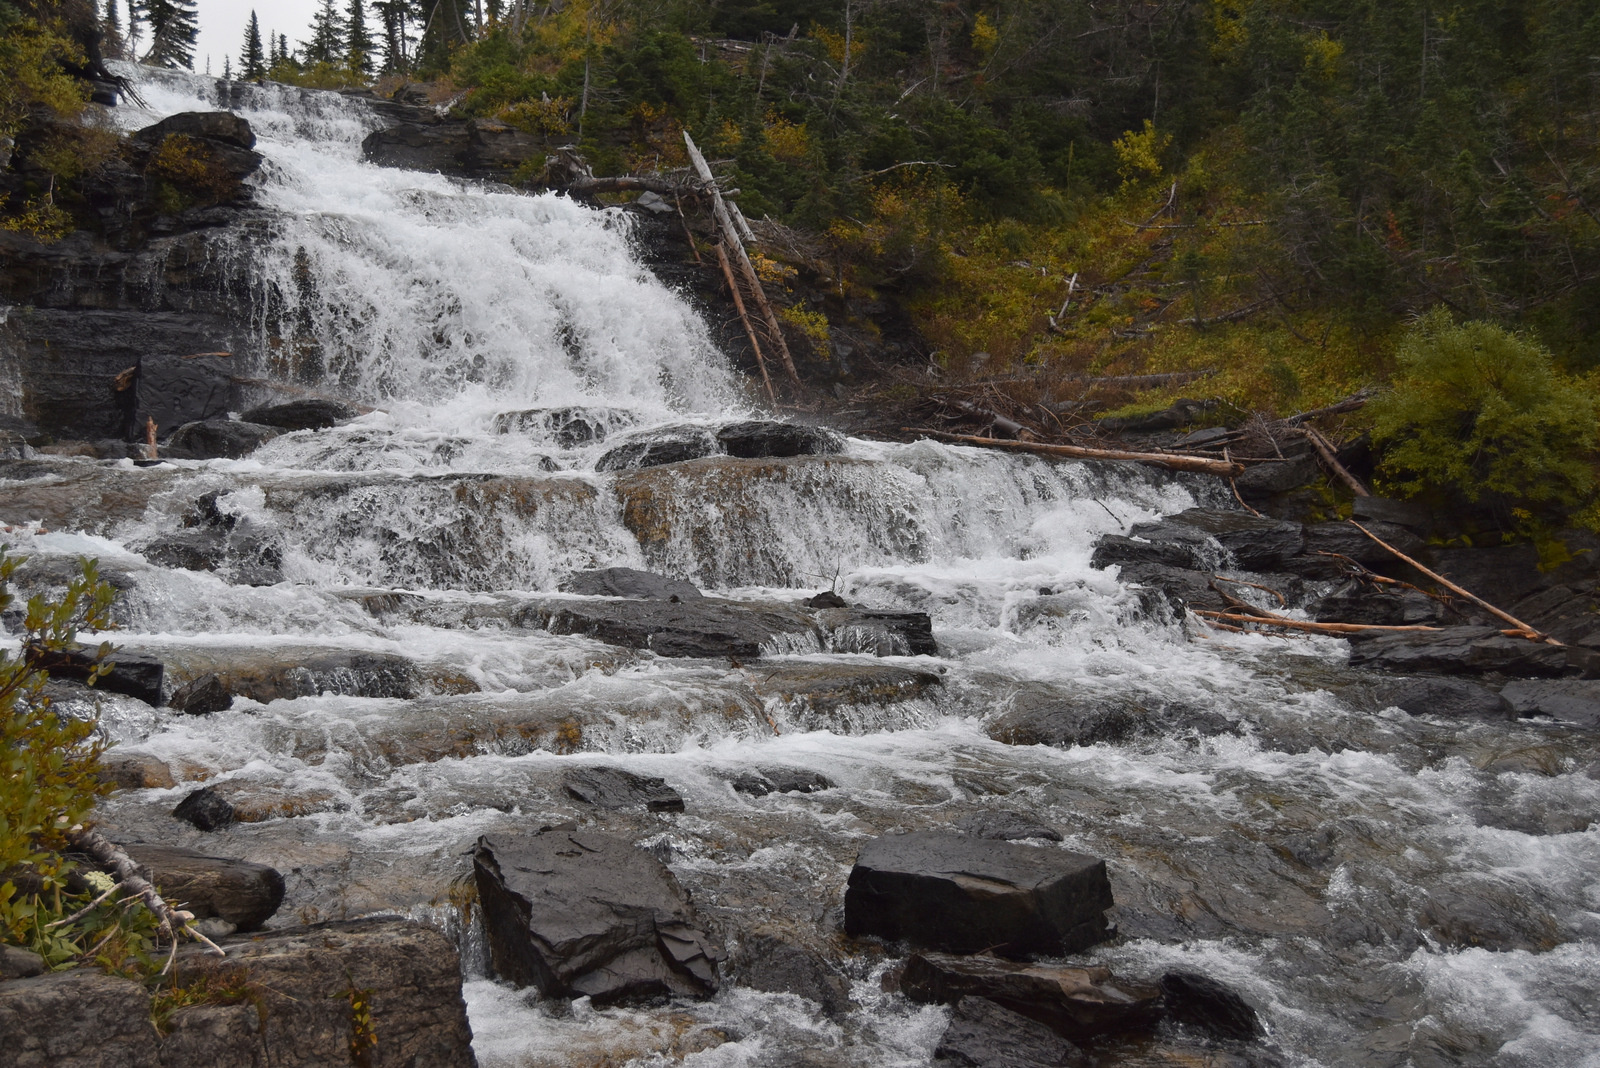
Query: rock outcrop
{"type": "Point", "coordinates": [583, 914]}
{"type": "Point", "coordinates": [962, 895]}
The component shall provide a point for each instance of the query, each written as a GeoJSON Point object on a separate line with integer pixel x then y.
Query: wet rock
{"type": "Point", "coordinates": [238, 891]}
{"type": "Point", "coordinates": [217, 439]}
{"type": "Point", "coordinates": [175, 391]}
{"type": "Point", "coordinates": [79, 1018]}
{"type": "Point", "coordinates": [630, 582]}
{"type": "Point", "coordinates": [19, 963]}
{"type": "Point", "coordinates": [1450, 698]}
{"type": "Point", "coordinates": [130, 674]}
{"type": "Point", "coordinates": [1568, 700]}
{"type": "Point", "coordinates": [133, 770]}
{"type": "Point", "coordinates": [1201, 1002]}
{"type": "Point", "coordinates": [1346, 540]}
{"type": "Point", "coordinates": [1411, 514]}
{"type": "Point", "coordinates": [1255, 543]}
{"type": "Point", "coordinates": [1168, 592]}
{"type": "Point", "coordinates": [962, 895]}
{"type": "Point", "coordinates": [187, 550]}
{"type": "Point", "coordinates": [419, 146]}
{"type": "Point", "coordinates": [310, 413]}
{"type": "Point", "coordinates": [866, 630]}
{"type": "Point", "coordinates": [221, 126]}
{"type": "Point", "coordinates": [1485, 916]}
{"type": "Point", "coordinates": [1166, 543]}
{"type": "Point", "coordinates": [696, 628]}
{"type": "Point", "coordinates": [983, 1034]}
{"type": "Point", "coordinates": [1180, 413]}
{"type": "Point", "coordinates": [579, 913]}
{"type": "Point", "coordinates": [206, 809]}
{"type": "Point", "coordinates": [759, 438]}
{"type": "Point", "coordinates": [287, 672]}
{"type": "Point", "coordinates": [774, 780]}
{"type": "Point", "coordinates": [667, 445]}
{"type": "Point", "coordinates": [1457, 650]}
{"type": "Point", "coordinates": [568, 427]}
{"type": "Point", "coordinates": [826, 599]}
{"type": "Point", "coordinates": [615, 788]}
{"type": "Point", "coordinates": [1383, 606]}
{"type": "Point", "coordinates": [1053, 717]}
{"type": "Point", "coordinates": [1005, 827]}
{"type": "Point", "coordinates": [1262, 481]}
{"type": "Point", "coordinates": [1076, 1003]}
{"type": "Point", "coordinates": [299, 1011]}
{"type": "Point", "coordinates": [202, 696]}
{"type": "Point", "coordinates": [766, 962]}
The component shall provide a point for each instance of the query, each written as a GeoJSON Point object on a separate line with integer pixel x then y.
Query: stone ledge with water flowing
{"type": "Point", "coordinates": [446, 407]}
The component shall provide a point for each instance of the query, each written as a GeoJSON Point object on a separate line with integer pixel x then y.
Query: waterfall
{"type": "Point", "coordinates": [1283, 836]}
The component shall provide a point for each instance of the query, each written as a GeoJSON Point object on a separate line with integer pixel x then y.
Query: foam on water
{"type": "Point", "coordinates": [1282, 836]}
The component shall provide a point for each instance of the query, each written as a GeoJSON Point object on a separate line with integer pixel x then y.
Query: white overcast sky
{"type": "Point", "coordinates": [222, 24]}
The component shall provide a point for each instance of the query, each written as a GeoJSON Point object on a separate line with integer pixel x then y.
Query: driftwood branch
{"type": "Point", "coordinates": [1173, 461]}
{"type": "Point", "coordinates": [1300, 624]}
{"type": "Point", "coordinates": [130, 877]}
{"type": "Point", "coordinates": [1331, 461]}
{"type": "Point", "coordinates": [749, 327]}
{"type": "Point", "coordinates": [1519, 628]}
{"type": "Point", "coordinates": [1349, 404]}
{"type": "Point", "coordinates": [730, 234]}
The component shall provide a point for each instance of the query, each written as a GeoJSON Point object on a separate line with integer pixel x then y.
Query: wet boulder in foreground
{"type": "Point", "coordinates": [217, 439]}
{"type": "Point", "coordinates": [983, 1034]}
{"type": "Point", "coordinates": [238, 891]}
{"type": "Point", "coordinates": [961, 894]}
{"type": "Point", "coordinates": [1201, 1002]}
{"type": "Point", "coordinates": [615, 788]}
{"type": "Point", "coordinates": [310, 413]}
{"type": "Point", "coordinates": [763, 438]}
{"type": "Point", "coordinates": [582, 914]}
{"type": "Point", "coordinates": [1076, 1003]}
{"type": "Point", "coordinates": [131, 674]}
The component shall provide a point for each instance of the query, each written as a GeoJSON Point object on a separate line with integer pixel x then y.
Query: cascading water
{"type": "Point", "coordinates": [1297, 850]}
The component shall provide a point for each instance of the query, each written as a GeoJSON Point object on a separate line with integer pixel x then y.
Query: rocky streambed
{"type": "Point", "coordinates": [550, 694]}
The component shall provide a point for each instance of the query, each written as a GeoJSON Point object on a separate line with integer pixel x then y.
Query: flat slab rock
{"type": "Point", "coordinates": [963, 894]}
{"type": "Point", "coordinates": [583, 914]}
{"type": "Point", "coordinates": [238, 891]}
{"type": "Point", "coordinates": [1076, 1003]}
{"type": "Point", "coordinates": [1457, 650]}
{"type": "Point", "coordinates": [983, 1034]}
{"type": "Point", "coordinates": [618, 789]}
{"type": "Point", "coordinates": [296, 1009]}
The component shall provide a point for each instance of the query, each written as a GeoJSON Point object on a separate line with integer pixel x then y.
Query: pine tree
{"type": "Point", "coordinates": [227, 67]}
{"type": "Point", "coordinates": [252, 64]}
{"type": "Point", "coordinates": [135, 13]}
{"type": "Point", "coordinates": [327, 36]}
{"type": "Point", "coordinates": [111, 42]}
{"type": "Point", "coordinates": [358, 40]}
{"type": "Point", "coordinates": [393, 13]}
{"type": "Point", "coordinates": [173, 31]}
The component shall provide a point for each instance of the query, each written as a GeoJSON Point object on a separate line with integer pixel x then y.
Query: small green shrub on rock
{"type": "Point", "coordinates": [1482, 414]}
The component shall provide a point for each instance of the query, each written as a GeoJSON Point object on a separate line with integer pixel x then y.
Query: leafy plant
{"type": "Point", "coordinates": [1482, 413]}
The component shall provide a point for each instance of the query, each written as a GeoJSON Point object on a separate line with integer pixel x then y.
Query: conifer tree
{"type": "Point", "coordinates": [227, 67]}
{"type": "Point", "coordinates": [327, 35]}
{"type": "Point", "coordinates": [111, 40]}
{"type": "Point", "coordinates": [358, 40]}
{"type": "Point", "coordinates": [252, 64]}
{"type": "Point", "coordinates": [173, 31]}
{"type": "Point", "coordinates": [135, 14]}
{"type": "Point", "coordinates": [393, 15]}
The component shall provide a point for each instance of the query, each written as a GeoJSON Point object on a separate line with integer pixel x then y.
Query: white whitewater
{"type": "Point", "coordinates": [442, 304]}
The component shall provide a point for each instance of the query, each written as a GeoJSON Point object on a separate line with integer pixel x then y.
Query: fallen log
{"type": "Point", "coordinates": [1301, 624]}
{"type": "Point", "coordinates": [130, 877]}
{"type": "Point", "coordinates": [1331, 461]}
{"type": "Point", "coordinates": [1173, 461]}
{"type": "Point", "coordinates": [1519, 628]}
{"type": "Point", "coordinates": [749, 327]}
{"type": "Point", "coordinates": [1349, 404]}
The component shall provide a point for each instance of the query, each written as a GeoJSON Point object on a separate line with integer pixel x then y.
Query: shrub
{"type": "Point", "coordinates": [1482, 413]}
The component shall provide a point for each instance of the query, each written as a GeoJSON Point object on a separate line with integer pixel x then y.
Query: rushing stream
{"type": "Point", "coordinates": [1285, 836]}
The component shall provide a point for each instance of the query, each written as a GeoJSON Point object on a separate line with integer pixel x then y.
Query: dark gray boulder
{"type": "Point", "coordinates": [244, 894]}
{"type": "Point", "coordinates": [773, 780]}
{"type": "Point", "coordinates": [582, 914]}
{"type": "Point", "coordinates": [222, 126]}
{"type": "Point", "coordinates": [201, 696]}
{"type": "Point", "coordinates": [615, 788]}
{"type": "Point", "coordinates": [1202, 1002]}
{"type": "Point", "coordinates": [1384, 606]}
{"type": "Point", "coordinates": [174, 391]}
{"type": "Point", "coordinates": [1568, 700]}
{"type": "Point", "coordinates": [1346, 540]}
{"type": "Point", "coordinates": [217, 439]}
{"type": "Point", "coordinates": [1457, 651]}
{"type": "Point", "coordinates": [982, 1034]}
{"type": "Point", "coordinates": [1076, 1003]}
{"type": "Point", "coordinates": [131, 674]}
{"type": "Point", "coordinates": [19, 963]}
{"type": "Point", "coordinates": [1262, 481]}
{"type": "Point", "coordinates": [1167, 543]}
{"type": "Point", "coordinates": [962, 894]}
{"type": "Point", "coordinates": [198, 549]}
{"type": "Point", "coordinates": [1412, 514]}
{"type": "Point", "coordinates": [763, 438]}
{"type": "Point", "coordinates": [80, 1018]}
{"type": "Point", "coordinates": [826, 599]}
{"type": "Point", "coordinates": [206, 809]}
{"type": "Point", "coordinates": [419, 146]}
{"type": "Point", "coordinates": [630, 582]}
{"type": "Point", "coordinates": [1053, 717]}
{"type": "Point", "coordinates": [1256, 543]}
{"type": "Point", "coordinates": [666, 445]}
{"type": "Point", "coordinates": [1450, 698]}
{"type": "Point", "coordinates": [310, 413]}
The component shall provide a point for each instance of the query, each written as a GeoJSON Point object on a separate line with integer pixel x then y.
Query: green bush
{"type": "Point", "coordinates": [1483, 414]}
{"type": "Point", "coordinates": [49, 783]}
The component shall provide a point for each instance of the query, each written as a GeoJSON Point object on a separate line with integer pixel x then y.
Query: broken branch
{"type": "Point", "coordinates": [1300, 624]}
{"type": "Point", "coordinates": [1174, 461]}
{"type": "Point", "coordinates": [1331, 461]}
